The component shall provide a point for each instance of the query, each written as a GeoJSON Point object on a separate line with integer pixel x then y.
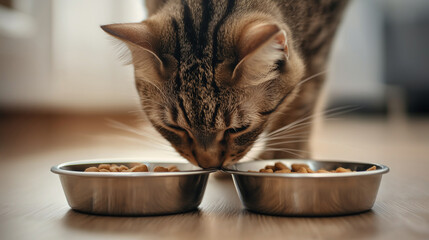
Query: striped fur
{"type": "Point", "coordinates": [223, 79]}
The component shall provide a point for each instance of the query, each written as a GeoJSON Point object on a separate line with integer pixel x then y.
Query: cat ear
{"type": "Point", "coordinates": [260, 47]}
{"type": "Point", "coordinates": [138, 37]}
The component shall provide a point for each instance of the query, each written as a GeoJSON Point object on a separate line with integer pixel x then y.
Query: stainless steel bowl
{"type": "Point", "coordinates": [307, 194]}
{"type": "Point", "coordinates": [133, 193]}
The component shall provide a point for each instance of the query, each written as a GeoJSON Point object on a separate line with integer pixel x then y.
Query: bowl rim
{"type": "Point", "coordinates": [57, 169]}
{"type": "Point", "coordinates": [383, 169]}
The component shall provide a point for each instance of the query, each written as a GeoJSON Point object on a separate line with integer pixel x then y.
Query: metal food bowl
{"type": "Point", "coordinates": [132, 193]}
{"type": "Point", "coordinates": [307, 194]}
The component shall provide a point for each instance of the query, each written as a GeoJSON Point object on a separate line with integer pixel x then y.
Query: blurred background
{"type": "Point", "coordinates": [62, 87]}
{"type": "Point", "coordinates": [55, 58]}
{"type": "Point", "coordinates": [56, 63]}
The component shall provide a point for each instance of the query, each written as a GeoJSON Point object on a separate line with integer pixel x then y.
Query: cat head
{"type": "Point", "coordinates": [211, 88]}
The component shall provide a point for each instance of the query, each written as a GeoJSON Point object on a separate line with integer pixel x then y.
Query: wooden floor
{"type": "Point", "coordinates": [33, 206]}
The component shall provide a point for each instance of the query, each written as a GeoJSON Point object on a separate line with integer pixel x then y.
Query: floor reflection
{"type": "Point", "coordinates": [168, 224]}
{"type": "Point", "coordinates": [224, 223]}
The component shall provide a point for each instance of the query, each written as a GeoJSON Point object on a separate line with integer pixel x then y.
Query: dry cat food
{"type": "Point", "coordinates": [279, 167]}
{"type": "Point", "coordinates": [134, 167]}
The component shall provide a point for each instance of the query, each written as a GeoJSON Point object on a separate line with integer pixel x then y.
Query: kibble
{"type": "Point", "coordinates": [160, 169]}
{"type": "Point", "coordinates": [173, 169]}
{"type": "Point", "coordinates": [372, 168]}
{"type": "Point", "coordinates": [341, 169]}
{"type": "Point", "coordinates": [139, 168]}
{"type": "Point", "coordinates": [133, 167]}
{"type": "Point", "coordinates": [92, 169]}
{"type": "Point", "coordinates": [296, 167]}
{"type": "Point", "coordinates": [104, 166]}
{"type": "Point", "coordinates": [280, 167]}
{"type": "Point", "coordinates": [122, 168]}
{"type": "Point", "coordinates": [272, 167]}
{"type": "Point", "coordinates": [114, 168]}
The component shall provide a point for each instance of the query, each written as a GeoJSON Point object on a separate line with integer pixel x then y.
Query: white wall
{"type": "Point", "coordinates": [68, 63]}
{"type": "Point", "coordinates": [87, 72]}
{"type": "Point", "coordinates": [356, 64]}
{"type": "Point", "coordinates": [25, 55]}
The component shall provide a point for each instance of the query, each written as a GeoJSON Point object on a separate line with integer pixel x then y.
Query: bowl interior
{"type": "Point", "coordinates": [80, 166]}
{"type": "Point", "coordinates": [314, 165]}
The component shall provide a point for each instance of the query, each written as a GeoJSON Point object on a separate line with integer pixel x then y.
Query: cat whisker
{"type": "Point", "coordinates": [294, 131]}
{"type": "Point", "coordinates": [289, 149]}
{"type": "Point", "coordinates": [290, 135]}
{"type": "Point", "coordinates": [149, 144]}
{"type": "Point", "coordinates": [288, 126]}
{"type": "Point", "coordinates": [163, 96]}
{"type": "Point", "coordinates": [124, 127]}
{"type": "Point", "coordinates": [293, 128]}
{"type": "Point", "coordinates": [311, 77]}
{"type": "Point", "coordinates": [247, 158]}
{"type": "Point", "coordinates": [136, 111]}
{"type": "Point", "coordinates": [152, 101]}
{"type": "Point", "coordinates": [284, 142]}
{"type": "Point", "coordinates": [286, 150]}
{"type": "Point", "coordinates": [327, 113]}
{"type": "Point", "coordinates": [261, 143]}
{"type": "Point", "coordinates": [267, 142]}
{"type": "Point", "coordinates": [304, 135]}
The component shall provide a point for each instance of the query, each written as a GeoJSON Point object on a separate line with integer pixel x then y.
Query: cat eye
{"type": "Point", "coordinates": [237, 130]}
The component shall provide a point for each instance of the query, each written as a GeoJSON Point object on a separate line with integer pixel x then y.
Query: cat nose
{"type": "Point", "coordinates": [207, 158]}
{"type": "Point", "coordinates": [205, 140]}
{"type": "Point", "coordinates": [206, 150]}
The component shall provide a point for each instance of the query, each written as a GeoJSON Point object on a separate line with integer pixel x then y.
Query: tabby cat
{"type": "Point", "coordinates": [214, 75]}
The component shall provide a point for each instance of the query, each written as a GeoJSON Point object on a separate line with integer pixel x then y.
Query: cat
{"type": "Point", "coordinates": [213, 76]}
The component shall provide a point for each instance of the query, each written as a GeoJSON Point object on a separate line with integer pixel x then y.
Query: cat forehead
{"type": "Point", "coordinates": [194, 82]}
{"type": "Point", "coordinates": [200, 96]}
{"type": "Point", "coordinates": [192, 65]}
{"type": "Point", "coordinates": [195, 28]}
{"type": "Point", "coordinates": [203, 51]}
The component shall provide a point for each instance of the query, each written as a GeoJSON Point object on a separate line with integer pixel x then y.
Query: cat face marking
{"type": "Point", "coordinates": [210, 94]}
